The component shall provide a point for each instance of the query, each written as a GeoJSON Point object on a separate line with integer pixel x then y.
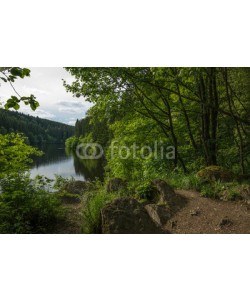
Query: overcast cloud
{"type": "Point", "coordinates": [47, 85]}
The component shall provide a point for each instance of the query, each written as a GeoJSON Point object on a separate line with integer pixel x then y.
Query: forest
{"type": "Point", "coordinates": [137, 115]}
{"type": "Point", "coordinates": [37, 130]}
{"type": "Point", "coordinates": [202, 112]}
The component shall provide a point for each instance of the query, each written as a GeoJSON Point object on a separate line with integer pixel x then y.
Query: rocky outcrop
{"type": "Point", "coordinates": [127, 215]}
{"type": "Point", "coordinates": [159, 214]}
{"type": "Point", "coordinates": [115, 184]}
{"type": "Point", "coordinates": [76, 187]}
{"type": "Point", "coordinates": [163, 193]}
{"type": "Point", "coordinates": [72, 190]}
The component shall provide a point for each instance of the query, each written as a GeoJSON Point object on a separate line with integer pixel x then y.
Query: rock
{"type": "Point", "coordinates": [127, 215]}
{"type": "Point", "coordinates": [225, 222]}
{"type": "Point", "coordinates": [245, 193]}
{"type": "Point", "coordinates": [115, 185]}
{"type": "Point", "coordinates": [173, 224]}
{"type": "Point", "coordinates": [164, 193]}
{"type": "Point", "coordinates": [195, 212]}
{"type": "Point", "coordinates": [214, 173]}
{"type": "Point", "coordinates": [159, 214]}
{"type": "Point", "coordinates": [76, 187]}
{"type": "Point", "coordinates": [71, 191]}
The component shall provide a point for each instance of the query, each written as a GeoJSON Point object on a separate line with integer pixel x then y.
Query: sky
{"type": "Point", "coordinates": [47, 85]}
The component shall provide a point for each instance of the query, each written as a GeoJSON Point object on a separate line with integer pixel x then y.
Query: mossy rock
{"type": "Point", "coordinates": [72, 190]}
{"type": "Point", "coordinates": [76, 187]}
{"type": "Point", "coordinates": [216, 173]}
{"type": "Point", "coordinates": [68, 198]}
{"type": "Point", "coordinates": [127, 216]}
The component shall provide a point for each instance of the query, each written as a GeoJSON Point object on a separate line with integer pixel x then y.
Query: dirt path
{"type": "Point", "coordinates": [204, 215]}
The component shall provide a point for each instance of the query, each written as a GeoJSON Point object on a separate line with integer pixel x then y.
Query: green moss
{"type": "Point", "coordinates": [216, 173]}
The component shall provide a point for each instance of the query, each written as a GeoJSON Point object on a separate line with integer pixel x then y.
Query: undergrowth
{"type": "Point", "coordinates": [93, 201]}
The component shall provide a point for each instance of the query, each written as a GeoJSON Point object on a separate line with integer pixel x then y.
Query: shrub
{"type": "Point", "coordinates": [144, 190]}
{"type": "Point", "coordinates": [15, 154]}
{"type": "Point", "coordinates": [26, 206]}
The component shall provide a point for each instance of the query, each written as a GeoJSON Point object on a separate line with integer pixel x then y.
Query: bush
{"type": "Point", "coordinates": [15, 154]}
{"type": "Point", "coordinates": [144, 190]}
{"type": "Point", "coordinates": [211, 190]}
{"type": "Point", "coordinates": [26, 206]}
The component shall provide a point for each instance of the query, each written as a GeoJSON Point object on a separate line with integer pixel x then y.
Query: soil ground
{"type": "Point", "coordinates": [205, 215]}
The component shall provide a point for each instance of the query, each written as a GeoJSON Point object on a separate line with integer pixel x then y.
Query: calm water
{"type": "Point", "coordinates": [56, 161]}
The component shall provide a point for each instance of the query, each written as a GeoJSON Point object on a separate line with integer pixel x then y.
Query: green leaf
{"type": "Point", "coordinates": [16, 106]}
{"type": "Point", "coordinates": [16, 72]}
{"type": "Point", "coordinates": [4, 79]}
{"type": "Point", "coordinates": [26, 72]}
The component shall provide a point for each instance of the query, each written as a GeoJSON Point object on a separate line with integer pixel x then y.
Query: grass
{"type": "Point", "coordinates": [184, 181]}
{"type": "Point", "coordinates": [93, 201]}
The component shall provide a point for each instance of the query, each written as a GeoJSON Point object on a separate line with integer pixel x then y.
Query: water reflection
{"type": "Point", "coordinates": [57, 161]}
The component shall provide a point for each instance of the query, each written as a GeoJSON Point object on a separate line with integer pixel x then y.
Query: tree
{"type": "Point", "coordinates": [9, 75]}
{"type": "Point", "coordinates": [15, 154]}
{"type": "Point", "coordinates": [189, 106]}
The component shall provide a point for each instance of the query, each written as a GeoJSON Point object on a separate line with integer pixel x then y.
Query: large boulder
{"type": "Point", "coordinates": [72, 190]}
{"type": "Point", "coordinates": [163, 193]}
{"type": "Point", "coordinates": [76, 187]}
{"type": "Point", "coordinates": [116, 184]}
{"type": "Point", "coordinates": [214, 173]}
{"type": "Point", "coordinates": [159, 214]}
{"type": "Point", "coordinates": [127, 215]}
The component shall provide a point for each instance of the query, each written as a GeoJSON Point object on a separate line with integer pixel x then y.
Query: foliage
{"type": "Point", "coordinates": [61, 181]}
{"type": "Point", "coordinates": [180, 180]}
{"type": "Point", "coordinates": [9, 75]}
{"type": "Point", "coordinates": [71, 143]}
{"type": "Point", "coordinates": [143, 190]}
{"type": "Point", "coordinates": [15, 154]}
{"type": "Point", "coordinates": [202, 112]}
{"type": "Point", "coordinates": [26, 206]}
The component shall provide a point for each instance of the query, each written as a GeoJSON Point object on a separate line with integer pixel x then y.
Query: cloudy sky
{"type": "Point", "coordinates": [47, 85]}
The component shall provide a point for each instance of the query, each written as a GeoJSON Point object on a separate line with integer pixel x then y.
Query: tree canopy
{"type": "Point", "coordinates": [202, 112]}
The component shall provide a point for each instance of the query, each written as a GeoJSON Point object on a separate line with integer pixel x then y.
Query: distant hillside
{"type": "Point", "coordinates": [36, 129]}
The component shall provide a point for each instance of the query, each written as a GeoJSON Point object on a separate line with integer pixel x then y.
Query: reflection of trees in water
{"type": "Point", "coordinates": [55, 153]}
{"type": "Point", "coordinates": [89, 168]}
{"type": "Point", "coordinates": [52, 154]}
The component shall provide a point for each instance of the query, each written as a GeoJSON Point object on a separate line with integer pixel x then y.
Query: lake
{"type": "Point", "coordinates": [56, 160]}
